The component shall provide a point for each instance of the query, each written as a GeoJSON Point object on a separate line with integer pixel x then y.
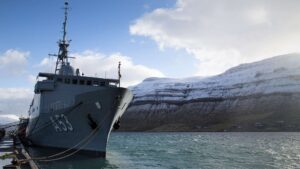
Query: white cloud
{"type": "Point", "coordinates": [47, 65]}
{"type": "Point", "coordinates": [93, 63]}
{"type": "Point", "coordinates": [223, 33]}
{"type": "Point", "coordinates": [15, 100]}
{"type": "Point", "coordinates": [257, 15]}
{"type": "Point", "coordinates": [8, 118]}
{"type": "Point", "coordinates": [14, 93]}
{"type": "Point", "coordinates": [13, 62]}
{"type": "Point", "coordinates": [31, 79]}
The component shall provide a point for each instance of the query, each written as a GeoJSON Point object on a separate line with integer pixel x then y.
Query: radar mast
{"type": "Point", "coordinates": [62, 63]}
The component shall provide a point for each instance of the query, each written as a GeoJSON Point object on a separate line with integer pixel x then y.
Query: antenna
{"type": "Point", "coordinates": [62, 56]}
{"type": "Point", "coordinates": [65, 21]}
{"type": "Point", "coordinates": [119, 73]}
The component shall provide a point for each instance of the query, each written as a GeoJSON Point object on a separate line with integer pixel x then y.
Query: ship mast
{"type": "Point", "coordinates": [62, 57]}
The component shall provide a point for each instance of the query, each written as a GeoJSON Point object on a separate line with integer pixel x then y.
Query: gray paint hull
{"type": "Point", "coordinates": [90, 118]}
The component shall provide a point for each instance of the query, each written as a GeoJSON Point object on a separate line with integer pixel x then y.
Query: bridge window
{"type": "Point", "coordinates": [89, 82]}
{"type": "Point", "coordinates": [81, 82]}
{"type": "Point", "coordinates": [67, 81]}
{"type": "Point", "coordinates": [74, 81]}
{"type": "Point", "coordinates": [95, 83]}
{"type": "Point", "coordinates": [102, 83]}
{"type": "Point", "coordinates": [59, 79]}
{"type": "Point", "coordinates": [113, 83]}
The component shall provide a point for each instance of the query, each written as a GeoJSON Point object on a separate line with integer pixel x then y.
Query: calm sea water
{"type": "Point", "coordinates": [192, 150]}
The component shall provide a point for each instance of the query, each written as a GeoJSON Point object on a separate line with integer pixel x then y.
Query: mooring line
{"type": "Point", "coordinates": [87, 139]}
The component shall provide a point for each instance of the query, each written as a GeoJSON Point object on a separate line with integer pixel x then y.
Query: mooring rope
{"type": "Point", "coordinates": [65, 151]}
{"type": "Point", "coordinates": [68, 155]}
{"type": "Point", "coordinates": [88, 138]}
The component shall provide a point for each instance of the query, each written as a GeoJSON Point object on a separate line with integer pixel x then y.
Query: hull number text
{"type": "Point", "coordinates": [61, 123]}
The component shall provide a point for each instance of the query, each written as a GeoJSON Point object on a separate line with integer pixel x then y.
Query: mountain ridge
{"type": "Point", "coordinates": [202, 103]}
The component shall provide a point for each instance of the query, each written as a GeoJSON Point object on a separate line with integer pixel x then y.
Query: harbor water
{"type": "Point", "coordinates": [172, 150]}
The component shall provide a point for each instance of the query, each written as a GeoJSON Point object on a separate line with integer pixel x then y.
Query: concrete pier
{"type": "Point", "coordinates": [16, 152]}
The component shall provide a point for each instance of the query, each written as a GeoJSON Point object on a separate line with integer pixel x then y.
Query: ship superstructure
{"type": "Point", "coordinates": [73, 111]}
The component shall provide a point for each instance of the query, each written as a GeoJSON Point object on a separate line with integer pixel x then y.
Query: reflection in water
{"type": "Point", "coordinates": [4, 162]}
{"type": "Point", "coordinates": [5, 147]}
{"type": "Point", "coordinates": [77, 161]}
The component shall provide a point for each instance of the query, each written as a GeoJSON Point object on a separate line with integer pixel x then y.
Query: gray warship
{"type": "Point", "coordinates": [72, 111]}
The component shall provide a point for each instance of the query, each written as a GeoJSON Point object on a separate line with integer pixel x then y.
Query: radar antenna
{"type": "Point", "coordinates": [119, 74]}
{"type": "Point", "coordinates": [62, 56]}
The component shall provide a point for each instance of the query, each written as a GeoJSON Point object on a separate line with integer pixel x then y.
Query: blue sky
{"type": "Point", "coordinates": [161, 38]}
{"type": "Point", "coordinates": [102, 26]}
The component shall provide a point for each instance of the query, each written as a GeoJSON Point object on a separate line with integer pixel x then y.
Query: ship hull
{"type": "Point", "coordinates": [85, 126]}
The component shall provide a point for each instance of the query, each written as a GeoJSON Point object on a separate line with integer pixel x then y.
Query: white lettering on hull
{"type": "Point", "coordinates": [61, 123]}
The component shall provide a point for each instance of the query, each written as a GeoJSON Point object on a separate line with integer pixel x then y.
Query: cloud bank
{"type": "Point", "coordinates": [222, 34]}
{"type": "Point", "coordinates": [13, 62]}
{"type": "Point", "coordinates": [9, 118]}
{"type": "Point", "coordinates": [14, 101]}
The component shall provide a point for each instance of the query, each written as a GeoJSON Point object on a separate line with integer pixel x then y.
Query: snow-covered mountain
{"type": "Point", "coordinates": [8, 118]}
{"type": "Point", "coordinates": [263, 95]}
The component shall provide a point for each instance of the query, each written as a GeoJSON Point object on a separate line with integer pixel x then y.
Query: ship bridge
{"type": "Point", "coordinates": [47, 81]}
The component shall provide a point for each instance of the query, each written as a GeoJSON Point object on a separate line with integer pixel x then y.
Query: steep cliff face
{"type": "Point", "coordinates": [260, 96]}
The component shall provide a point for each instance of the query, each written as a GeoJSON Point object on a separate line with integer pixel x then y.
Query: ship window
{"type": "Point", "coordinates": [74, 81]}
{"type": "Point", "coordinates": [81, 82]}
{"type": "Point", "coordinates": [89, 82]}
{"type": "Point", "coordinates": [59, 79]}
{"type": "Point", "coordinates": [67, 81]}
{"type": "Point", "coordinates": [113, 83]}
{"type": "Point", "coordinates": [102, 83]}
{"type": "Point", "coordinates": [95, 83]}
{"type": "Point", "coordinates": [50, 78]}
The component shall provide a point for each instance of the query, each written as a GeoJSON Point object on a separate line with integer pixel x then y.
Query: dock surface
{"type": "Point", "coordinates": [14, 150]}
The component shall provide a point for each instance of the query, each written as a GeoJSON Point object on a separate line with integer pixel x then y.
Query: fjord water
{"type": "Point", "coordinates": [173, 150]}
